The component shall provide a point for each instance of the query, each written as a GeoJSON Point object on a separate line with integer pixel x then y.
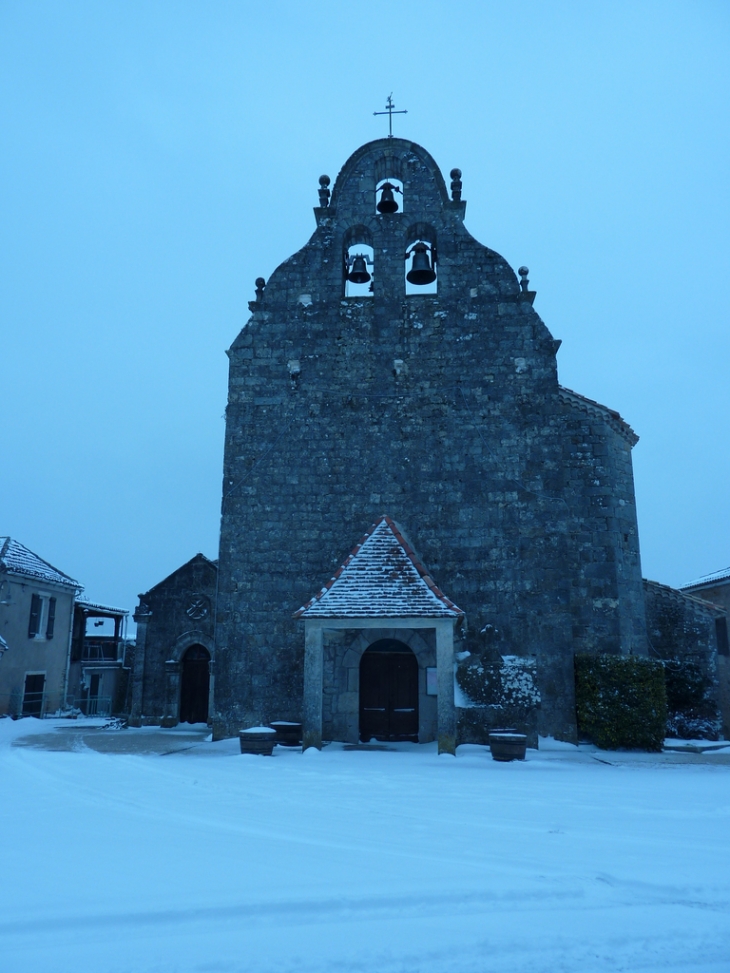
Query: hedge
{"type": "Point", "coordinates": [621, 701]}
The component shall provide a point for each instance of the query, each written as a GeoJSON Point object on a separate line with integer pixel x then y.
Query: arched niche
{"type": "Point", "coordinates": [421, 264]}
{"type": "Point", "coordinates": [358, 262]}
{"type": "Point", "coordinates": [389, 196]}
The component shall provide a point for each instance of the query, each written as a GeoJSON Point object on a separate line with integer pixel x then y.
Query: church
{"type": "Point", "coordinates": [406, 485]}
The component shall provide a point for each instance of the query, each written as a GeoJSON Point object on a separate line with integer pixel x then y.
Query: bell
{"type": "Point", "coordinates": [387, 202]}
{"type": "Point", "coordinates": [420, 272]}
{"type": "Point", "coordinates": [359, 273]}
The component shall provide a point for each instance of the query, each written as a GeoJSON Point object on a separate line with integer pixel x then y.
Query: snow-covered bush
{"type": "Point", "coordinates": [693, 711]}
{"type": "Point", "coordinates": [510, 683]}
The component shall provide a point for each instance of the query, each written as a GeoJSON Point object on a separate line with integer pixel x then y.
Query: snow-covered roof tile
{"type": "Point", "coordinates": [92, 606]}
{"type": "Point", "coordinates": [382, 578]}
{"type": "Point", "coordinates": [17, 559]}
{"type": "Point", "coordinates": [708, 579]}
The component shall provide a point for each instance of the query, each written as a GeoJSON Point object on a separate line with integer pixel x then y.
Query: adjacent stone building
{"type": "Point", "coordinates": [715, 588]}
{"type": "Point", "coordinates": [172, 681]}
{"type": "Point", "coordinates": [395, 371]}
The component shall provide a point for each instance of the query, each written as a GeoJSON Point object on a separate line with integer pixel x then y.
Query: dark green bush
{"type": "Point", "coordinates": [621, 701]}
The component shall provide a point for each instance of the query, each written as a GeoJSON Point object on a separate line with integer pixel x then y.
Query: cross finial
{"type": "Point", "coordinates": [390, 111]}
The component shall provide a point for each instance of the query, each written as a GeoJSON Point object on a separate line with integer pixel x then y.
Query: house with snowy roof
{"type": "Point", "coordinates": [36, 612]}
{"type": "Point", "coordinates": [53, 654]}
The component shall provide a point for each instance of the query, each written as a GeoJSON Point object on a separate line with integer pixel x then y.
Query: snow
{"type": "Point", "coordinates": [707, 579]}
{"type": "Point", "coordinates": [382, 577]}
{"type": "Point", "coordinates": [394, 861]}
{"type": "Point", "coordinates": [17, 559]}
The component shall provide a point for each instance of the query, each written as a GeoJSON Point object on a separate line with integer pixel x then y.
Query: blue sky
{"type": "Point", "coordinates": [158, 157]}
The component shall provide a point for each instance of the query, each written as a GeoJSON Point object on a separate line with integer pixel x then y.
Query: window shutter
{"type": "Point", "coordinates": [51, 618]}
{"type": "Point", "coordinates": [35, 610]}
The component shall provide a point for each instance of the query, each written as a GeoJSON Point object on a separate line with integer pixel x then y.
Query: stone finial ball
{"type": "Point", "coordinates": [324, 180]}
{"type": "Point", "coordinates": [260, 282]}
{"type": "Point", "coordinates": [456, 173]}
{"type": "Point", "coordinates": [523, 271]}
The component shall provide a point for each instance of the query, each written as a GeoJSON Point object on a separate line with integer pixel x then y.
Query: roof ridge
{"type": "Point", "coordinates": [721, 575]}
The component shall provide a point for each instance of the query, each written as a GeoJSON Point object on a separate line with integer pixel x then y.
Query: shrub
{"type": "Point", "coordinates": [621, 701]}
{"type": "Point", "coordinates": [693, 712]}
{"type": "Point", "coordinates": [510, 683]}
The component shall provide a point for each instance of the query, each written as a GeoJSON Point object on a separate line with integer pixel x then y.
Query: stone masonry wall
{"type": "Point", "coordinates": [169, 630]}
{"type": "Point", "coordinates": [443, 411]}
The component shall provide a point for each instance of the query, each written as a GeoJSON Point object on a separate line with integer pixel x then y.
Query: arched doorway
{"type": "Point", "coordinates": [195, 685]}
{"type": "Point", "coordinates": [388, 692]}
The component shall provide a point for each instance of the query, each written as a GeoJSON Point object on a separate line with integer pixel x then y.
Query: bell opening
{"type": "Point", "coordinates": [389, 196]}
{"type": "Point", "coordinates": [421, 268]}
{"type": "Point", "coordinates": [358, 270]}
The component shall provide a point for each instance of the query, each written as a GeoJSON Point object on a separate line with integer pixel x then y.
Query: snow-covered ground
{"type": "Point", "coordinates": [377, 862]}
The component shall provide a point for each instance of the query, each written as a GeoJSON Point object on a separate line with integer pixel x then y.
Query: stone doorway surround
{"type": "Point", "coordinates": [173, 674]}
{"type": "Point", "coordinates": [381, 585]}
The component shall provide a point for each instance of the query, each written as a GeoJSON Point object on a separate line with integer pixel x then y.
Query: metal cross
{"type": "Point", "coordinates": [390, 111]}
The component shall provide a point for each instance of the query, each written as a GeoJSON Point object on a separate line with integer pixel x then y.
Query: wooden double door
{"type": "Point", "coordinates": [388, 692]}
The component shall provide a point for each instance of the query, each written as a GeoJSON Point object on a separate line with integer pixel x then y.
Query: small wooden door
{"type": "Point", "coordinates": [33, 695]}
{"type": "Point", "coordinates": [195, 685]}
{"type": "Point", "coordinates": [389, 692]}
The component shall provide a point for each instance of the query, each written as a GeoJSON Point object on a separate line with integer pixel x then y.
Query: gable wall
{"type": "Point", "coordinates": [168, 629]}
{"type": "Point", "coordinates": [470, 449]}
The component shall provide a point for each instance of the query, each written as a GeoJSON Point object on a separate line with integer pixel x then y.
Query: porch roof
{"type": "Point", "coordinates": [381, 578]}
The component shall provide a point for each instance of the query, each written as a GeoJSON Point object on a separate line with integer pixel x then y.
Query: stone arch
{"type": "Point", "coordinates": [173, 673]}
{"type": "Point", "coordinates": [183, 642]}
{"type": "Point", "coordinates": [420, 235]}
{"type": "Point", "coordinates": [342, 674]}
{"type": "Point", "coordinates": [357, 240]}
{"type": "Point", "coordinates": [389, 693]}
{"type": "Point", "coordinates": [393, 156]}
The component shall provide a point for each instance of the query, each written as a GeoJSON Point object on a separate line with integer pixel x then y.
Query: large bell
{"type": "Point", "coordinates": [359, 273]}
{"type": "Point", "coordinates": [421, 271]}
{"type": "Point", "coordinates": [387, 202]}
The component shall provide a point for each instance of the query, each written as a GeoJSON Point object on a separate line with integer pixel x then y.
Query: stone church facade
{"type": "Point", "coordinates": [396, 367]}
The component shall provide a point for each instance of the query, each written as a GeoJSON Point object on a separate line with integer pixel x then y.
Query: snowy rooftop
{"type": "Point", "coordinates": [95, 606]}
{"type": "Point", "coordinates": [708, 579]}
{"type": "Point", "coordinates": [15, 558]}
{"type": "Point", "coordinates": [382, 577]}
{"type": "Point", "coordinates": [3, 645]}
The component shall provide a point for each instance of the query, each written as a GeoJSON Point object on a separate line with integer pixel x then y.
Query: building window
{"type": "Point", "coordinates": [42, 619]}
